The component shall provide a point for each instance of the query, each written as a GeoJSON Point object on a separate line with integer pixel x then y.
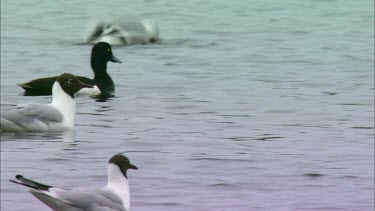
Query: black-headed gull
{"type": "Point", "coordinates": [59, 115]}
{"type": "Point", "coordinates": [114, 197]}
{"type": "Point", "coordinates": [101, 54]}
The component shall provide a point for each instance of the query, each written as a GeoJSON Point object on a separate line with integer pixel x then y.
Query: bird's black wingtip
{"type": "Point", "coordinates": [16, 182]}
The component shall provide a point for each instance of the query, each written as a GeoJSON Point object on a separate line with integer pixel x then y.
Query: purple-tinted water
{"type": "Point", "coordinates": [245, 105]}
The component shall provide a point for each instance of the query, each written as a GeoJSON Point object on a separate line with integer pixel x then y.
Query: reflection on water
{"type": "Point", "coordinates": [103, 97]}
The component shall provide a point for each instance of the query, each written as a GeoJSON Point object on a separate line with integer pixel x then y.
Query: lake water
{"type": "Point", "coordinates": [243, 105]}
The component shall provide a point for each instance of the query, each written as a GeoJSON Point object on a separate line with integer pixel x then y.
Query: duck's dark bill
{"type": "Point", "coordinates": [114, 59]}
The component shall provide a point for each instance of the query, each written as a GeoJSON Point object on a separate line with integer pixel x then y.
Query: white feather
{"type": "Point", "coordinates": [88, 91]}
{"type": "Point", "coordinates": [118, 184]}
{"type": "Point", "coordinates": [65, 104]}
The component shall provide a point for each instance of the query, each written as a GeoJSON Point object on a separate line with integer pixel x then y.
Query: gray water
{"type": "Point", "coordinates": [243, 105]}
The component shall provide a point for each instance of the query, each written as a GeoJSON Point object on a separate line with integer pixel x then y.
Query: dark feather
{"type": "Point", "coordinates": [30, 183]}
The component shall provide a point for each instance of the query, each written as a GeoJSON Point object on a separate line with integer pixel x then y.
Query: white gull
{"type": "Point", "coordinates": [114, 197]}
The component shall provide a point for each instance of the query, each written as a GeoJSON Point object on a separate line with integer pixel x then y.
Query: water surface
{"type": "Point", "coordinates": [244, 105]}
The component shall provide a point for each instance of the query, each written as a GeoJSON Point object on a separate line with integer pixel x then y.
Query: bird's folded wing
{"type": "Point", "coordinates": [91, 199]}
{"type": "Point", "coordinates": [24, 114]}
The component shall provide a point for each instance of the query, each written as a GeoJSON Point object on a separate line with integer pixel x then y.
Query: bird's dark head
{"type": "Point", "coordinates": [103, 51]}
{"type": "Point", "coordinates": [123, 163]}
{"type": "Point", "coordinates": [71, 84]}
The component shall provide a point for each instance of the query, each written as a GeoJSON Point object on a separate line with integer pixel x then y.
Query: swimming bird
{"type": "Point", "coordinates": [123, 31]}
{"type": "Point", "coordinates": [114, 197]}
{"type": "Point", "coordinates": [100, 55]}
{"type": "Point", "coordinates": [59, 115]}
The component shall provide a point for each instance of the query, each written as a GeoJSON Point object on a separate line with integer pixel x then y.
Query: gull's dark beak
{"type": "Point", "coordinates": [114, 59]}
{"type": "Point", "coordinates": [83, 85]}
{"type": "Point", "coordinates": [133, 167]}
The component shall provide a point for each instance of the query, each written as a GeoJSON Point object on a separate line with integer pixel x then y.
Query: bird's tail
{"type": "Point", "coordinates": [30, 183]}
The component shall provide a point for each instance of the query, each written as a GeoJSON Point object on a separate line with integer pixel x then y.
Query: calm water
{"type": "Point", "coordinates": [244, 105]}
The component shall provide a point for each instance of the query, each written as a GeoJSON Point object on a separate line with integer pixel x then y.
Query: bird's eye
{"type": "Point", "coordinates": [70, 81]}
{"type": "Point", "coordinates": [109, 50]}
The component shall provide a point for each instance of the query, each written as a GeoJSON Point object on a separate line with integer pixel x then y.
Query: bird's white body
{"type": "Point", "coordinates": [89, 91]}
{"type": "Point", "coordinates": [123, 31]}
{"type": "Point", "coordinates": [59, 115]}
{"type": "Point", "coordinates": [118, 184]}
{"type": "Point", "coordinates": [114, 197]}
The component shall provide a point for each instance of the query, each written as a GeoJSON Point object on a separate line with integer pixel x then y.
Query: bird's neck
{"type": "Point", "coordinates": [119, 184]}
{"type": "Point", "coordinates": [101, 77]}
{"type": "Point", "coordinates": [99, 66]}
{"type": "Point", "coordinates": [64, 103]}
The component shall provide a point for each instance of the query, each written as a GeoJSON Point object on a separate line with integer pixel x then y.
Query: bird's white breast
{"type": "Point", "coordinates": [65, 104]}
